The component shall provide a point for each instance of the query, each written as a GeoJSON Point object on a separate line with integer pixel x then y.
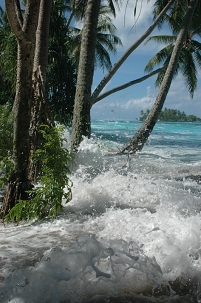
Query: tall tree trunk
{"type": "Point", "coordinates": [40, 113]}
{"type": "Point", "coordinates": [32, 36]}
{"type": "Point", "coordinates": [139, 139]}
{"type": "Point", "coordinates": [24, 30]}
{"type": "Point", "coordinates": [81, 115]}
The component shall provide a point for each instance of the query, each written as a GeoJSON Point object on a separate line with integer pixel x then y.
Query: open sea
{"type": "Point", "coordinates": [132, 232]}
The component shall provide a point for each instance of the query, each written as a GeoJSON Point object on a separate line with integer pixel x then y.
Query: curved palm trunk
{"type": "Point", "coordinates": [128, 84]}
{"type": "Point", "coordinates": [139, 139]}
{"type": "Point", "coordinates": [81, 115]}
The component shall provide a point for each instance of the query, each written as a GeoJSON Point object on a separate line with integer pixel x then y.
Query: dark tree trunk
{"type": "Point", "coordinates": [18, 182]}
{"type": "Point", "coordinates": [40, 113]}
{"type": "Point", "coordinates": [137, 142]}
{"type": "Point", "coordinates": [25, 31]}
{"type": "Point", "coordinates": [81, 115]}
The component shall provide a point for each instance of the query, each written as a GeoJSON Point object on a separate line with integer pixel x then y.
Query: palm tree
{"type": "Point", "coordinates": [84, 99]}
{"type": "Point", "coordinates": [64, 48]}
{"type": "Point", "coordinates": [190, 56]}
{"type": "Point", "coordinates": [106, 40]}
{"type": "Point", "coordinates": [81, 115]}
{"type": "Point", "coordinates": [138, 140]}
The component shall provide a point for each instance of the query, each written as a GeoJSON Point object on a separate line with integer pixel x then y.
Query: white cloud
{"type": "Point", "coordinates": [131, 27]}
{"type": "Point", "coordinates": [141, 103]}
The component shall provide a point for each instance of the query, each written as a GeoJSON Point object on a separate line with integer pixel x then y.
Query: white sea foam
{"type": "Point", "coordinates": [131, 220]}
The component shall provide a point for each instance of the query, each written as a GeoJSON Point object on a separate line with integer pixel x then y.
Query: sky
{"type": "Point", "coordinates": [128, 103]}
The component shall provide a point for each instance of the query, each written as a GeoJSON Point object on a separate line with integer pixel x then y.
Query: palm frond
{"type": "Point", "coordinates": [102, 57]}
{"type": "Point", "coordinates": [109, 41]}
{"type": "Point", "coordinates": [189, 71]}
{"type": "Point", "coordinates": [161, 74]}
{"type": "Point", "coordinates": [112, 4]}
{"type": "Point", "coordinates": [162, 39]}
{"type": "Point", "coordinates": [197, 56]}
{"type": "Point", "coordinates": [159, 58]}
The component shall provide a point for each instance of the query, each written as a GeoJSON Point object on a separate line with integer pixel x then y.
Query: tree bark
{"type": "Point", "coordinates": [24, 30]}
{"type": "Point", "coordinates": [30, 70]}
{"type": "Point", "coordinates": [137, 142]}
{"type": "Point", "coordinates": [81, 115]}
{"type": "Point", "coordinates": [40, 113]}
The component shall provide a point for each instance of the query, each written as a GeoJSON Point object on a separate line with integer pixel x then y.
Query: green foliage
{"type": "Point", "coordinates": [190, 56]}
{"type": "Point", "coordinates": [61, 70]}
{"type": "Point", "coordinates": [54, 186]}
{"type": "Point", "coordinates": [8, 58]}
{"type": "Point", "coordinates": [171, 115]}
{"type": "Point", "coordinates": [6, 142]}
{"type": "Point", "coordinates": [106, 42]}
{"type": "Point", "coordinates": [6, 130]}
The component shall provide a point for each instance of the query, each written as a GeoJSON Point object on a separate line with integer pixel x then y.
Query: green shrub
{"type": "Point", "coordinates": [6, 130]}
{"type": "Point", "coordinates": [54, 186]}
{"type": "Point", "coordinates": [6, 142]}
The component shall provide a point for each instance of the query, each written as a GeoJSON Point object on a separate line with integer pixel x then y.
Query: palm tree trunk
{"type": "Point", "coordinates": [126, 85]}
{"type": "Point", "coordinates": [81, 115]}
{"type": "Point", "coordinates": [140, 138]}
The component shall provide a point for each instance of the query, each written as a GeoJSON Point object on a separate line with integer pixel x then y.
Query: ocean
{"type": "Point", "coordinates": [132, 232]}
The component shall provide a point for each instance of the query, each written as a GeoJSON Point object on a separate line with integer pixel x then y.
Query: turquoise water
{"type": "Point", "coordinates": [180, 138]}
{"type": "Point", "coordinates": [166, 134]}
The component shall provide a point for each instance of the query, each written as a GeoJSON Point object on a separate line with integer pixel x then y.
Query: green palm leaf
{"type": "Point", "coordinates": [190, 55]}
{"type": "Point", "coordinates": [160, 58]}
{"type": "Point", "coordinates": [106, 42]}
{"type": "Point", "coordinates": [188, 70]}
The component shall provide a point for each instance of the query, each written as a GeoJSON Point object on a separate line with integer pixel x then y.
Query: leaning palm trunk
{"type": "Point", "coordinates": [83, 98]}
{"type": "Point", "coordinates": [95, 96]}
{"type": "Point", "coordinates": [81, 115]}
{"type": "Point", "coordinates": [137, 142]}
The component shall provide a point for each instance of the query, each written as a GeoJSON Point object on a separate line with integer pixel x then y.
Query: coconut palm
{"type": "Point", "coordinates": [83, 98]}
{"type": "Point", "coordinates": [81, 115]}
{"type": "Point", "coordinates": [139, 139]}
{"type": "Point", "coordinates": [190, 56]}
{"type": "Point", "coordinates": [106, 40]}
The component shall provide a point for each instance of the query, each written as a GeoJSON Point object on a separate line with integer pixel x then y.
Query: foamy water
{"type": "Point", "coordinates": [133, 225]}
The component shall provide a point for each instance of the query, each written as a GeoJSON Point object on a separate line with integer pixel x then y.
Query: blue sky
{"type": "Point", "coordinates": [128, 103]}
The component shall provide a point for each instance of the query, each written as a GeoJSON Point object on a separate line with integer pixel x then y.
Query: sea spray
{"type": "Point", "coordinates": [80, 272]}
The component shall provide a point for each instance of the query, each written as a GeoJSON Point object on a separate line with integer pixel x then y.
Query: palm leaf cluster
{"type": "Point", "coordinates": [190, 57]}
